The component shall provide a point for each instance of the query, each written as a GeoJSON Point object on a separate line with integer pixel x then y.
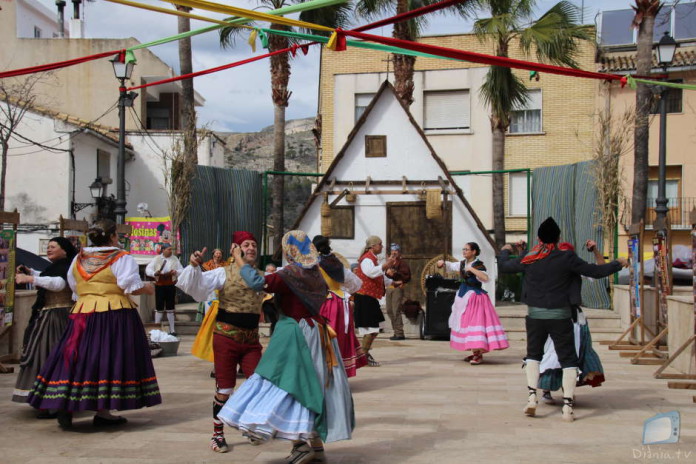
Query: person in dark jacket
{"type": "Point", "coordinates": [548, 279]}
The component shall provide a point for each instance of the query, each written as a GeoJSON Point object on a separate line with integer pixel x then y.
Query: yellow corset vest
{"type": "Point", "coordinates": [100, 293]}
{"type": "Point", "coordinates": [332, 284]}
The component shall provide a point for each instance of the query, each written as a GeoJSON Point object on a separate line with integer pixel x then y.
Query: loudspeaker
{"type": "Point", "coordinates": [438, 306]}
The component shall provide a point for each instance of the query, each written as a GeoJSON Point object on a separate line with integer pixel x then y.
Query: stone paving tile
{"type": "Point", "coordinates": [423, 405]}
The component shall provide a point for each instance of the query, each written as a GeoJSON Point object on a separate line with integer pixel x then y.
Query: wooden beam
{"type": "Point", "coordinates": [348, 183]}
{"type": "Point", "coordinates": [647, 361]}
{"type": "Point", "coordinates": [674, 355]}
{"type": "Point", "coordinates": [332, 183]}
{"type": "Point", "coordinates": [682, 385]}
{"type": "Point", "coordinates": [338, 198]}
{"type": "Point", "coordinates": [441, 181]}
{"type": "Point", "coordinates": [675, 376]}
{"type": "Point", "coordinates": [403, 184]}
{"type": "Point", "coordinates": [630, 354]}
{"type": "Point", "coordinates": [375, 192]}
{"type": "Point", "coordinates": [368, 181]}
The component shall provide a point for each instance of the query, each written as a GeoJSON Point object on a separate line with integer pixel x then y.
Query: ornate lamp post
{"type": "Point", "coordinates": [665, 54]}
{"type": "Point", "coordinates": [123, 70]}
{"type": "Point", "coordinates": [96, 190]}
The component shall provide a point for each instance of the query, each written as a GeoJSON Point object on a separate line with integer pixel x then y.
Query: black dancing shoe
{"type": "Point", "coordinates": [64, 419]}
{"type": "Point", "coordinates": [99, 421]}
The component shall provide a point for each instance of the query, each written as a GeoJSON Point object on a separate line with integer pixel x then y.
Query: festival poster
{"type": "Point", "coordinates": [7, 270]}
{"type": "Point", "coordinates": [634, 256]}
{"type": "Point", "coordinates": [661, 275]}
{"type": "Point", "coordinates": [693, 265]}
{"type": "Point", "coordinates": [148, 234]}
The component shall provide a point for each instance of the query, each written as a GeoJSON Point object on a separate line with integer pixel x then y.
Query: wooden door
{"type": "Point", "coordinates": [420, 238]}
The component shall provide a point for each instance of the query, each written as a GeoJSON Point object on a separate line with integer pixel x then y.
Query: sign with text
{"type": "Point", "coordinates": [148, 234]}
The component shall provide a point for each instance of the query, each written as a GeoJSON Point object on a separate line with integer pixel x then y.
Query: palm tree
{"type": "Point", "coordinates": [646, 11]}
{"type": "Point", "coordinates": [186, 67]}
{"type": "Point", "coordinates": [332, 16]}
{"type": "Point", "coordinates": [405, 30]}
{"type": "Point", "coordinates": [553, 37]}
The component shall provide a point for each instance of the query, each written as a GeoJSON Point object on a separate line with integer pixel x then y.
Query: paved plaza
{"type": "Point", "coordinates": [423, 405]}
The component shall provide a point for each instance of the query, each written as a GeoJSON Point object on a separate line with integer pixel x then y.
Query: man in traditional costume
{"type": "Point", "coordinates": [236, 328]}
{"type": "Point", "coordinates": [548, 280]}
{"type": "Point", "coordinates": [368, 313]}
{"type": "Point", "coordinates": [400, 273]}
{"type": "Point", "coordinates": [164, 269]}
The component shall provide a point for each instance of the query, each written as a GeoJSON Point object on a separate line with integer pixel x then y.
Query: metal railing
{"type": "Point", "coordinates": [678, 212]}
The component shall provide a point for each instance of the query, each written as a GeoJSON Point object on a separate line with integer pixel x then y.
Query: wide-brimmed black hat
{"type": "Point", "coordinates": [549, 232]}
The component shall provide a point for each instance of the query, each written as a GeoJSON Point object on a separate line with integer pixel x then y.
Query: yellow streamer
{"type": "Point", "coordinates": [218, 8]}
{"type": "Point", "coordinates": [252, 40]}
{"type": "Point", "coordinates": [331, 44]}
{"type": "Point", "coordinates": [174, 12]}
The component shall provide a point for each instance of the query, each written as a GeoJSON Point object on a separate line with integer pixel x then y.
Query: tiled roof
{"type": "Point", "coordinates": [616, 61]}
{"type": "Point", "coordinates": [109, 132]}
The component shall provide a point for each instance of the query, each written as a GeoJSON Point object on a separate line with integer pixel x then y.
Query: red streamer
{"type": "Point", "coordinates": [219, 68]}
{"type": "Point", "coordinates": [481, 58]}
{"type": "Point", "coordinates": [410, 14]}
{"type": "Point", "coordinates": [57, 65]}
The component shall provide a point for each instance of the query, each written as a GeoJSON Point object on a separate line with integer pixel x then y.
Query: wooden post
{"type": "Point", "coordinates": [9, 218]}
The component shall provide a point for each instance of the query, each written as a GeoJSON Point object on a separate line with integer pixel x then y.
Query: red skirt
{"type": "Point", "coordinates": [339, 316]}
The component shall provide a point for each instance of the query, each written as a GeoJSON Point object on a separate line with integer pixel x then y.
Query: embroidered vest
{"type": "Point", "coordinates": [236, 296]}
{"type": "Point", "coordinates": [99, 293]}
{"type": "Point", "coordinates": [468, 277]}
{"type": "Point", "coordinates": [61, 299]}
{"type": "Point", "coordinates": [370, 287]}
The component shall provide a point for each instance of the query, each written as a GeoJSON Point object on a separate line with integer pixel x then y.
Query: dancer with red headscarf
{"type": "Point", "coordinates": [236, 328]}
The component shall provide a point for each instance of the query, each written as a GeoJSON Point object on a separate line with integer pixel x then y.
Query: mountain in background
{"type": "Point", "coordinates": [254, 151]}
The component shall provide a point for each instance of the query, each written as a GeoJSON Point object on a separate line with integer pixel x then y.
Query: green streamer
{"type": "Point", "coordinates": [305, 6]}
{"type": "Point", "coordinates": [356, 43]}
{"type": "Point", "coordinates": [632, 82]}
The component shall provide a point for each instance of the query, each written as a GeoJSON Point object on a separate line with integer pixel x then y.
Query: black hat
{"type": "Point", "coordinates": [549, 232]}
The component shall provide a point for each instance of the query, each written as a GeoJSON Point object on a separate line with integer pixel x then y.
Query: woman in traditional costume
{"type": "Point", "coordinates": [299, 391]}
{"type": "Point", "coordinates": [48, 318]}
{"type": "Point", "coordinates": [337, 311]}
{"type": "Point", "coordinates": [474, 323]}
{"type": "Point", "coordinates": [103, 360]}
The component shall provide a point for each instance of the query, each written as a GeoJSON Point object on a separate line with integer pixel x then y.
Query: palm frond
{"type": "Point", "coordinates": [230, 35]}
{"type": "Point", "coordinates": [503, 92]}
{"type": "Point", "coordinates": [332, 16]}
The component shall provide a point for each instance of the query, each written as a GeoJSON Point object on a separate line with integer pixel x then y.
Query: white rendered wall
{"type": "Point", "coordinates": [462, 150]}
{"type": "Point", "coordinates": [31, 13]}
{"type": "Point", "coordinates": [407, 155]}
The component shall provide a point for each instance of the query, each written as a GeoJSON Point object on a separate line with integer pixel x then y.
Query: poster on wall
{"type": "Point", "coordinates": [634, 257]}
{"type": "Point", "coordinates": [693, 265]}
{"type": "Point", "coordinates": [7, 270]}
{"type": "Point", "coordinates": [662, 283]}
{"type": "Point", "coordinates": [148, 234]}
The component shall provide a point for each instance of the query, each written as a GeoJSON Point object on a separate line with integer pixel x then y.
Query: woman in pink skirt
{"type": "Point", "coordinates": [474, 323]}
{"type": "Point", "coordinates": [337, 311]}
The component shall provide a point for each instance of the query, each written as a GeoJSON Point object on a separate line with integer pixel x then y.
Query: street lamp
{"type": "Point", "coordinates": [96, 190]}
{"type": "Point", "coordinates": [123, 69]}
{"type": "Point", "coordinates": [665, 54]}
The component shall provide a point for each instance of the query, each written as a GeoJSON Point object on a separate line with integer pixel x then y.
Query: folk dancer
{"type": "Point", "coordinates": [474, 323]}
{"type": "Point", "coordinates": [337, 310]}
{"type": "Point", "coordinates": [548, 279]}
{"type": "Point", "coordinates": [400, 273]}
{"type": "Point", "coordinates": [164, 269]}
{"type": "Point", "coordinates": [299, 391]}
{"type": "Point", "coordinates": [236, 329]}
{"type": "Point", "coordinates": [103, 360]}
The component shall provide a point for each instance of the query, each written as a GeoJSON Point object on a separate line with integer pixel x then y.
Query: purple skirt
{"type": "Point", "coordinates": [102, 362]}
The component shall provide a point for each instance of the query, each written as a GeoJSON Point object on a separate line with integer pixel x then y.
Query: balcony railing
{"type": "Point", "coordinates": [678, 212]}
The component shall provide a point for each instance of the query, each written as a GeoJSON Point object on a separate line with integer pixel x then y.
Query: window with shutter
{"type": "Point", "coordinates": [375, 146]}
{"type": "Point", "coordinates": [446, 110]}
{"type": "Point", "coordinates": [517, 194]}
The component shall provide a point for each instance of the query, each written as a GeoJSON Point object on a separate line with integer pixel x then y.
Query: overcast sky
{"type": "Point", "coordinates": [239, 99]}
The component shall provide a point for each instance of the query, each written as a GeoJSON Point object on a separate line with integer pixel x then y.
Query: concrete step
{"type": "Point", "coordinates": [513, 317]}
